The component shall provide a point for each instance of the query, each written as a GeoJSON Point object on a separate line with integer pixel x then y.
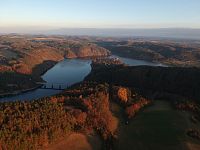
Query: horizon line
{"type": "Point", "coordinates": [15, 27]}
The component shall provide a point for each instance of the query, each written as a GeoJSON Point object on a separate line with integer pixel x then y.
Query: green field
{"type": "Point", "coordinates": [158, 127]}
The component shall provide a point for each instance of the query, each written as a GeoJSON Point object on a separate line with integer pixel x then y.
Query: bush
{"type": "Point", "coordinates": [135, 107]}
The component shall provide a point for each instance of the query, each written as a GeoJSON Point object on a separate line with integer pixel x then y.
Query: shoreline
{"type": "Point", "coordinates": [167, 63]}
{"type": "Point", "coordinates": [18, 92]}
{"type": "Point", "coordinates": [142, 59]}
{"type": "Point", "coordinates": [52, 64]}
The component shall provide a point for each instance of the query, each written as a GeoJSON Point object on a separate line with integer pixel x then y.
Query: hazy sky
{"type": "Point", "coordinates": [100, 13]}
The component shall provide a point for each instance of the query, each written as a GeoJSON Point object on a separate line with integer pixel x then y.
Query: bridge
{"type": "Point", "coordinates": [54, 86]}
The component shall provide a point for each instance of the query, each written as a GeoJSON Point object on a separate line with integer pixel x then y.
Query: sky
{"type": "Point", "coordinates": [100, 13]}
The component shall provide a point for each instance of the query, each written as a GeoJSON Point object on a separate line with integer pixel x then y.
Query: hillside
{"type": "Point", "coordinates": [26, 58]}
{"type": "Point", "coordinates": [152, 81]}
{"type": "Point", "coordinates": [22, 53]}
{"type": "Point", "coordinates": [169, 52]}
{"type": "Point", "coordinates": [115, 107]}
{"type": "Point", "coordinates": [111, 115]}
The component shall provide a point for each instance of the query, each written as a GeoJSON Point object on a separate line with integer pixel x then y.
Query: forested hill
{"type": "Point", "coordinates": [154, 81]}
{"type": "Point", "coordinates": [24, 58]}
{"type": "Point", "coordinates": [22, 53]}
{"type": "Point", "coordinates": [184, 53]}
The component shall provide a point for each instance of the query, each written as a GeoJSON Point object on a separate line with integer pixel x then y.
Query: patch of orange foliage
{"type": "Point", "coordinates": [79, 116]}
{"type": "Point", "coordinates": [59, 99]}
{"type": "Point", "coordinates": [5, 68]}
{"type": "Point", "coordinates": [134, 108]}
{"type": "Point", "coordinates": [123, 94]}
{"type": "Point", "coordinates": [22, 68]}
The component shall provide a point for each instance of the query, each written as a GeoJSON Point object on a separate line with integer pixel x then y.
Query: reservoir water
{"type": "Point", "coordinates": [135, 62]}
{"type": "Point", "coordinates": [66, 73]}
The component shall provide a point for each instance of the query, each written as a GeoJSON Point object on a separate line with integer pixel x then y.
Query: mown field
{"type": "Point", "coordinates": [157, 127]}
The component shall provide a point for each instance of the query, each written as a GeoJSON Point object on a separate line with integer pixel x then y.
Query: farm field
{"type": "Point", "coordinates": [157, 127]}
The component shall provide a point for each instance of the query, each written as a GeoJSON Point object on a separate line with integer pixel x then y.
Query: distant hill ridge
{"type": "Point", "coordinates": [183, 33]}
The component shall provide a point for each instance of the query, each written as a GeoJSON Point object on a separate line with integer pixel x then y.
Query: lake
{"type": "Point", "coordinates": [66, 73]}
{"type": "Point", "coordinates": [135, 62]}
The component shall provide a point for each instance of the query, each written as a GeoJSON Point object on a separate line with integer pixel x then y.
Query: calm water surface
{"type": "Point", "coordinates": [135, 62]}
{"type": "Point", "coordinates": [67, 73]}
{"type": "Point", "coordinates": [64, 74]}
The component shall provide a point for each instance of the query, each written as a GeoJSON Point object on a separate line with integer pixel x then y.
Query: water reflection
{"type": "Point", "coordinates": [67, 73]}
{"type": "Point", "coordinates": [135, 62]}
{"type": "Point", "coordinates": [64, 74]}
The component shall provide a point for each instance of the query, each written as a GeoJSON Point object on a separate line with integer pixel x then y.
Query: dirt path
{"type": "Point", "coordinates": [77, 141]}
